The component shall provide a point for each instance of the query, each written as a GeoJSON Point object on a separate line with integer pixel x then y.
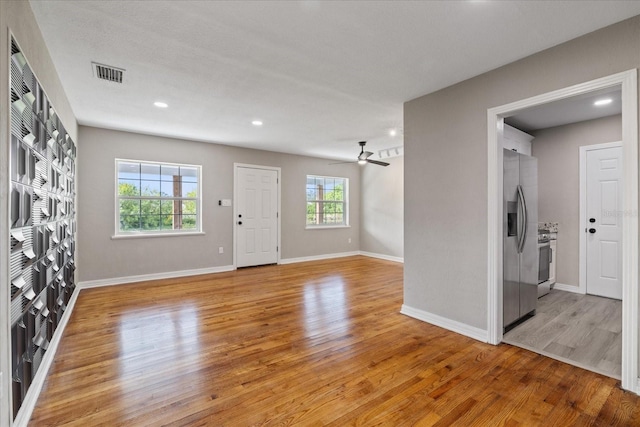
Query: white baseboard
{"type": "Point", "coordinates": [340, 255]}
{"type": "Point", "coordinates": [183, 273]}
{"type": "Point", "coordinates": [155, 276]}
{"type": "Point", "coordinates": [567, 288]}
{"type": "Point", "coordinates": [31, 398]}
{"type": "Point", "coordinates": [318, 257]}
{"type": "Point", "coordinates": [382, 256]}
{"type": "Point", "coordinates": [443, 322]}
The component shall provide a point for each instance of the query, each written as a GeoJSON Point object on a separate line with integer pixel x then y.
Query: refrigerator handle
{"type": "Point", "coordinates": [522, 234]}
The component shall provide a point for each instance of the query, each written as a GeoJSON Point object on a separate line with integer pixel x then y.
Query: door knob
{"type": "Point", "coordinates": [592, 230]}
{"type": "Point", "coordinates": [240, 223]}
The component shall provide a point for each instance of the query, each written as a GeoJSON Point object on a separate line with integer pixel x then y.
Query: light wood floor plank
{"type": "Point", "coordinates": [584, 329]}
{"type": "Point", "coordinates": [311, 344]}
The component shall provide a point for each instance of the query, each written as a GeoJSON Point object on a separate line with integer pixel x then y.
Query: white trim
{"type": "Point", "coordinates": [235, 206]}
{"type": "Point", "coordinates": [382, 256]}
{"type": "Point", "coordinates": [325, 227]}
{"type": "Point", "coordinates": [151, 235]}
{"type": "Point", "coordinates": [318, 257]}
{"type": "Point", "coordinates": [183, 273]}
{"type": "Point", "coordinates": [154, 276]}
{"type": "Point", "coordinates": [567, 288]}
{"type": "Point", "coordinates": [443, 322]}
{"type": "Point", "coordinates": [601, 146]}
{"type": "Point", "coordinates": [582, 252]}
{"type": "Point", "coordinates": [495, 132]}
{"type": "Point", "coordinates": [630, 231]}
{"type": "Point", "coordinates": [31, 398]}
{"type": "Point", "coordinates": [628, 81]}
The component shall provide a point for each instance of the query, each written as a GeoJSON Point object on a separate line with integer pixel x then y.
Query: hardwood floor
{"type": "Point", "coordinates": [317, 343]}
{"type": "Point", "coordinates": [585, 330]}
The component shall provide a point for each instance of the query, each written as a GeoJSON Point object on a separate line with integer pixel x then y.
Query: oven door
{"type": "Point", "coordinates": [544, 250]}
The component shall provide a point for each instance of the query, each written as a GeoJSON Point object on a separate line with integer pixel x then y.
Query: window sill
{"type": "Point", "coordinates": [324, 227]}
{"type": "Point", "coordinates": [151, 235]}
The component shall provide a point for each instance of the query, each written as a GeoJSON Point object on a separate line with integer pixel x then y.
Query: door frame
{"type": "Point", "coordinates": [278, 170]}
{"type": "Point", "coordinates": [582, 274]}
{"type": "Point", "coordinates": [495, 129]}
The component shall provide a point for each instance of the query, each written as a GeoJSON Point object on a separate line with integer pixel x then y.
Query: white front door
{"type": "Point", "coordinates": [256, 219]}
{"type": "Point", "coordinates": [603, 226]}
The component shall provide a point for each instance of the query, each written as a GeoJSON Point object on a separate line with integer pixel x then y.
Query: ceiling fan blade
{"type": "Point", "coordinates": [375, 162]}
{"type": "Point", "coordinates": [364, 155]}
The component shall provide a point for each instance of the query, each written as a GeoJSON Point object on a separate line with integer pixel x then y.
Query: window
{"type": "Point", "coordinates": [327, 201]}
{"type": "Point", "coordinates": [157, 197]}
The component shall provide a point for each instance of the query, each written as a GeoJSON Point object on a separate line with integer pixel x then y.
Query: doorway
{"type": "Point", "coordinates": [256, 215]}
{"type": "Point", "coordinates": [583, 330]}
{"type": "Point", "coordinates": [628, 83]}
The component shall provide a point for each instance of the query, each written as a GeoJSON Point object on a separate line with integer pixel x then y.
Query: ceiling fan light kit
{"type": "Point", "coordinates": [363, 157]}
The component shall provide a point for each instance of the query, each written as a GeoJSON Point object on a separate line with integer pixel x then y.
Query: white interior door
{"type": "Point", "coordinates": [603, 226]}
{"type": "Point", "coordinates": [256, 219]}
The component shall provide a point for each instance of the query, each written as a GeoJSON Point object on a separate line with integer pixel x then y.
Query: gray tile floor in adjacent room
{"type": "Point", "coordinates": [583, 330]}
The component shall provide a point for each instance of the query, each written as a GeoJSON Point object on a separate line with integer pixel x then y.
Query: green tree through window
{"type": "Point", "coordinates": [326, 201]}
{"type": "Point", "coordinates": [156, 197]}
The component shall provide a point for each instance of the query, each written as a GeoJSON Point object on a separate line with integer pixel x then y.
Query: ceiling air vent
{"type": "Point", "coordinates": [107, 72]}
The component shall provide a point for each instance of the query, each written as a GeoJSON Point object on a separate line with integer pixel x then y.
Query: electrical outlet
{"type": "Point", "coordinates": [220, 250]}
{"type": "Point", "coordinates": [349, 239]}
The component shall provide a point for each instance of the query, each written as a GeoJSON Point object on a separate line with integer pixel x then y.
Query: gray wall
{"type": "Point", "coordinates": [101, 257]}
{"type": "Point", "coordinates": [446, 166]}
{"type": "Point", "coordinates": [17, 17]}
{"type": "Point", "coordinates": [557, 150]}
{"type": "Point", "coordinates": [382, 206]}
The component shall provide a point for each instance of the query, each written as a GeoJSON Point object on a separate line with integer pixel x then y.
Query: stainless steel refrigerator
{"type": "Point", "coordinates": [520, 237]}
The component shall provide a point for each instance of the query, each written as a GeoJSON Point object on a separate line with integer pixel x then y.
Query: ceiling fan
{"type": "Point", "coordinates": [363, 157]}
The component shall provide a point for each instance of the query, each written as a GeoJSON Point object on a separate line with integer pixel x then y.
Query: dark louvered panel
{"type": "Point", "coordinates": [42, 242]}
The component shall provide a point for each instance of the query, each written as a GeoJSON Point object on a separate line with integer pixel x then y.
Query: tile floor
{"type": "Point", "coordinates": [584, 330]}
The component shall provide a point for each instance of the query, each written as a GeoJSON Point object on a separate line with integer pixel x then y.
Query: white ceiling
{"type": "Point", "coordinates": [570, 110]}
{"type": "Point", "coordinates": [321, 75]}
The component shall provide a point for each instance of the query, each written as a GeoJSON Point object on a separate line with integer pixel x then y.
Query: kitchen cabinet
{"type": "Point", "coordinates": [516, 140]}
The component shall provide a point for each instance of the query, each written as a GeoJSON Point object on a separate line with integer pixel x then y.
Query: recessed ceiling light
{"type": "Point", "coordinates": [161, 104]}
{"type": "Point", "coordinates": [257, 122]}
{"type": "Point", "coordinates": [393, 132]}
{"type": "Point", "coordinates": [601, 102]}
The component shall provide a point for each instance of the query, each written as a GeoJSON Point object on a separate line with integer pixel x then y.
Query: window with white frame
{"type": "Point", "coordinates": [327, 201]}
{"type": "Point", "coordinates": [157, 197]}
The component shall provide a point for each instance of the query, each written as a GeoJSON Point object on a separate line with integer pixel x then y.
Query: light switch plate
{"type": "Point", "coordinates": [226, 202]}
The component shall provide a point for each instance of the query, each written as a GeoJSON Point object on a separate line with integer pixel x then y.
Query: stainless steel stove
{"type": "Point", "coordinates": [544, 262]}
